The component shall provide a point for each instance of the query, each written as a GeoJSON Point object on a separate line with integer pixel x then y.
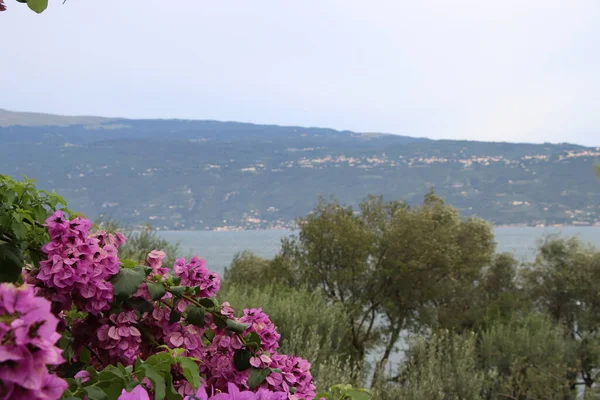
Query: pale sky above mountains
{"type": "Point", "coordinates": [504, 70]}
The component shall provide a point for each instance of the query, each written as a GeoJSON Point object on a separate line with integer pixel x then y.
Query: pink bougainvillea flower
{"type": "Point", "coordinates": [234, 393]}
{"type": "Point", "coordinates": [27, 345]}
{"type": "Point", "coordinates": [138, 393]}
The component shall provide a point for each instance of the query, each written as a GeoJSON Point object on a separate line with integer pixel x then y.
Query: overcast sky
{"type": "Point", "coordinates": [505, 70]}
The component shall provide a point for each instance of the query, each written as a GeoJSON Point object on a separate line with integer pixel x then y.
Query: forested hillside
{"type": "Point", "coordinates": [180, 174]}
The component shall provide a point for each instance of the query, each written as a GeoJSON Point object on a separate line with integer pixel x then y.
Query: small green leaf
{"type": "Point", "coordinates": [158, 381]}
{"type": "Point", "coordinates": [195, 316]}
{"type": "Point", "coordinates": [241, 359]}
{"type": "Point", "coordinates": [236, 327]}
{"type": "Point", "coordinates": [142, 305]}
{"type": "Point", "coordinates": [161, 361]}
{"type": "Point", "coordinates": [257, 376]}
{"type": "Point", "coordinates": [174, 317]}
{"type": "Point", "coordinates": [220, 323]}
{"type": "Point", "coordinates": [176, 280]}
{"type": "Point", "coordinates": [171, 391]}
{"type": "Point", "coordinates": [38, 6]}
{"type": "Point", "coordinates": [40, 214]}
{"type": "Point", "coordinates": [18, 228]}
{"type": "Point", "coordinates": [10, 263]}
{"type": "Point", "coordinates": [128, 263]}
{"type": "Point", "coordinates": [207, 302]}
{"type": "Point", "coordinates": [209, 334]}
{"type": "Point", "coordinates": [253, 340]}
{"type": "Point", "coordinates": [157, 290]}
{"type": "Point", "coordinates": [127, 282]}
{"type": "Point", "coordinates": [177, 291]}
{"type": "Point", "coordinates": [191, 371]}
{"type": "Point", "coordinates": [95, 393]}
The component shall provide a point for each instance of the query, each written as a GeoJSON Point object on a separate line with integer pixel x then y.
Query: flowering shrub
{"type": "Point", "coordinates": [132, 331]}
{"type": "Point", "coordinates": [78, 322]}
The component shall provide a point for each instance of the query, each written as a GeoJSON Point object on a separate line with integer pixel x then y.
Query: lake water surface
{"type": "Point", "coordinates": [218, 248]}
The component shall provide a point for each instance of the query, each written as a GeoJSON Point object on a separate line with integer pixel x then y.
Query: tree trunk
{"type": "Point", "coordinates": [382, 362]}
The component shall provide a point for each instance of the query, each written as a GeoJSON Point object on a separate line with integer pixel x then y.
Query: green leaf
{"type": "Point", "coordinates": [209, 335]}
{"type": "Point", "coordinates": [40, 214]}
{"type": "Point", "coordinates": [172, 393]}
{"type": "Point", "coordinates": [253, 340]}
{"type": "Point", "coordinates": [257, 376]}
{"type": "Point", "coordinates": [207, 302]}
{"type": "Point", "coordinates": [18, 228]}
{"type": "Point", "coordinates": [241, 359]}
{"type": "Point", "coordinates": [95, 393]}
{"type": "Point", "coordinates": [220, 323]}
{"type": "Point", "coordinates": [161, 361]}
{"type": "Point", "coordinates": [174, 317]}
{"type": "Point", "coordinates": [10, 263]}
{"type": "Point", "coordinates": [128, 263]}
{"type": "Point", "coordinates": [177, 290]}
{"type": "Point", "coordinates": [112, 380]}
{"type": "Point", "coordinates": [157, 290]}
{"type": "Point", "coordinates": [236, 327]}
{"type": "Point", "coordinates": [38, 6]}
{"type": "Point", "coordinates": [191, 371]}
{"type": "Point", "coordinates": [127, 282]}
{"type": "Point", "coordinates": [176, 280]}
{"type": "Point", "coordinates": [142, 305]}
{"type": "Point", "coordinates": [158, 381]}
{"type": "Point", "coordinates": [195, 316]}
{"type": "Point", "coordinates": [131, 385]}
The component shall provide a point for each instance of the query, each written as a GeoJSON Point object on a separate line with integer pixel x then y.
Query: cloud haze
{"type": "Point", "coordinates": [484, 70]}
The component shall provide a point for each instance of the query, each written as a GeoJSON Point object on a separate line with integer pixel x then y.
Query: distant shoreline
{"type": "Point", "coordinates": [235, 229]}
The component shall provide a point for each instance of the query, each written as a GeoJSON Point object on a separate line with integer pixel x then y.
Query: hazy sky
{"type": "Point", "coordinates": [504, 70]}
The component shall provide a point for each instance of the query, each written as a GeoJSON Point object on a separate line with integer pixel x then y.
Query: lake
{"type": "Point", "coordinates": [218, 248]}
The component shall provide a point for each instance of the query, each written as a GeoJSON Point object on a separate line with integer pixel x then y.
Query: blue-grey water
{"type": "Point", "coordinates": [218, 248]}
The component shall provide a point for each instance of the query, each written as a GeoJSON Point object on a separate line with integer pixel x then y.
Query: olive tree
{"type": "Point", "coordinates": [393, 267]}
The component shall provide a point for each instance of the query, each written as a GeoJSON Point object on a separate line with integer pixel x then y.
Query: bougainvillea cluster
{"type": "Point", "coordinates": [28, 348]}
{"type": "Point", "coordinates": [79, 265]}
{"type": "Point", "coordinates": [118, 313]}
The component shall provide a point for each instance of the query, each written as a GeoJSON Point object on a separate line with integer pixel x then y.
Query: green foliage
{"type": "Point", "coordinates": [563, 283]}
{"type": "Point", "coordinates": [23, 211]}
{"type": "Point", "coordinates": [404, 266]}
{"type": "Point", "coordinates": [440, 367]}
{"type": "Point", "coordinates": [495, 295]}
{"type": "Point", "coordinates": [345, 392]}
{"type": "Point", "coordinates": [529, 358]}
{"type": "Point", "coordinates": [257, 376]}
{"type": "Point", "coordinates": [320, 337]}
{"type": "Point", "coordinates": [109, 383]}
{"type": "Point", "coordinates": [127, 282]}
{"type": "Point", "coordinates": [249, 269]}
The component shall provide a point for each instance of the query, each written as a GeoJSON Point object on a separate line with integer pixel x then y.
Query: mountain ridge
{"type": "Point", "coordinates": [201, 174]}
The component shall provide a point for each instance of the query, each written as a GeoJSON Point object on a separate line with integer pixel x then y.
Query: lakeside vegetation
{"type": "Point", "coordinates": [480, 325]}
{"type": "Point", "coordinates": [354, 284]}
